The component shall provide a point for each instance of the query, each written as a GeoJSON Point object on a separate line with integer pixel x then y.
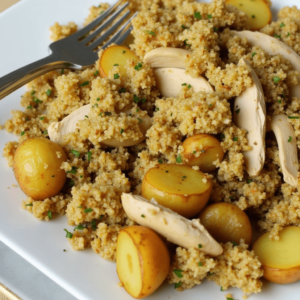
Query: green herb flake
{"type": "Point", "coordinates": [288, 34]}
{"type": "Point", "coordinates": [136, 99]}
{"type": "Point", "coordinates": [69, 234]}
{"type": "Point", "coordinates": [237, 111]}
{"type": "Point", "coordinates": [200, 264]}
{"type": "Point", "coordinates": [232, 198]}
{"type": "Point", "coordinates": [281, 25]}
{"type": "Point", "coordinates": [138, 67]}
{"type": "Point", "coordinates": [73, 170]}
{"type": "Point", "coordinates": [22, 133]}
{"type": "Point", "coordinates": [183, 27]}
{"type": "Point", "coordinates": [79, 227]}
{"type": "Point", "coordinates": [185, 42]}
{"type": "Point", "coordinates": [96, 73]}
{"type": "Point", "coordinates": [87, 116]}
{"type": "Point", "coordinates": [209, 16]}
{"type": "Point", "coordinates": [75, 152]}
{"type": "Point", "coordinates": [216, 29]}
{"type": "Point", "coordinates": [276, 79]}
{"type": "Point", "coordinates": [107, 113]}
{"type": "Point", "coordinates": [79, 206]}
{"type": "Point", "coordinates": [178, 159]}
{"type": "Point", "coordinates": [62, 71]}
{"type": "Point", "coordinates": [197, 15]}
{"type": "Point", "coordinates": [228, 298]}
{"type": "Point", "coordinates": [149, 32]}
{"type": "Point", "coordinates": [42, 118]}
{"type": "Point", "coordinates": [87, 210]}
{"type": "Point", "coordinates": [222, 289]}
{"type": "Point", "coordinates": [29, 204]}
{"type": "Point", "coordinates": [184, 84]}
{"type": "Point", "coordinates": [122, 90]}
{"type": "Point", "coordinates": [249, 181]}
{"type": "Point", "coordinates": [222, 136]}
{"type": "Point", "coordinates": [140, 120]}
{"type": "Point", "coordinates": [177, 284]}
{"type": "Point", "coordinates": [116, 65]}
{"type": "Point", "coordinates": [48, 93]}
{"type": "Point", "coordinates": [253, 16]}
{"type": "Point", "coordinates": [81, 176]}
{"type": "Point", "coordinates": [71, 183]}
{"type": "Point", "coordinates": [36, 100]}
{"type": "Point", "coordinates": [253, 54]}
{"type": "Point", "coordinates": [234, 244]}
{"type": "Point", "coordinates": [279, 101]}
{"type": "Point", "coordinates": [290, 139]}
{"type": "Point", "coordinates": [278, 36]}
{"type": "Point", "coordinates": [124, 51]}
{"type": "Point", "coordinates": [26, 119]}
{"type": "Point", "coordinates": [143, 216]}
{"type": "Point", "coordinates": [143, 100]}
{"type": "Point", "coordinates": [210, 274]}
{"type": "Point", "coordinates": [94, 225]}
{"type": "Point", "coordinates": [160, 161]}
{"type": "Point", "coordinates": [293, 117]}
{"type": "Point", "coordinates": [84, 83]}
{"type": "Point", "coordinates": [199, 246]}
{"type": "Point", "coordinates": [157, 108]}
{"type": "Point", "coordinates": [32, 93]}
{"type": "Point", "coordinates": [89, 154]}
{"type": "Point", "coordinates": [101, 217]}
{"type": "Point", "coordinates": [122, 130]}
{"type": "Point", "coordinates": [29, 107]}
{"type": "Point", "coordinates": [49, 214]}
{"type": "Point", "coordinates": [189, 86]}
{"type": "Point", "coordinates": [235, 139]}
{"type": "Point", "coordinates": [98, 99]}
{"type": "Point", "coordinates": [178, 273]}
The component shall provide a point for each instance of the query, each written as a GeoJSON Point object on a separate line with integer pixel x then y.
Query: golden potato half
{"type": "Point", "coordinates": [177, 187]}
{"type": "Point", "coordinates": [37, 169]}
{"type": "Point", "coordinates": [280, 259]}
{"type": "Point", "coordinates": [143, 260]}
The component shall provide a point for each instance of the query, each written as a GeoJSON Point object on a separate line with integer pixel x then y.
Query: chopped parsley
{"type": "Point", "coordinates": [178, 159]}
{"type": "Point", "coordinates": [79, 227]}
{"type": "Point", "coordinates": [36, 100]}
{"type": "Point", "coordinates": [42, 118]}
{"type": "Point", "coordinates": [189, 86]}
{"type": "Point", "coordinates": [185, 42]}
{"type": "Point", "coordinates": [234, 244]}
{"type": "Point", "coordinates": [253, 16]}
{"type": "Point", "coordinates": [276, 79]}
{"type": "Point", "coordinates": [116, 65]}
{"type": "Point", "coordinates": [143, 216]}
{"type": "Point", "coordinates": [94, 225]}
{"type": "Point", "coordinates": [197, 15]}
{"type": "Point", "coordinates": [178, 273]}
{"type": "Point", "coordinates": [86, 116]}
{"type": "Point", "coordinates": [84, 83]}
{"type": "Point", "coordinates": [237, 111]}
{"type": "Point", "coordinates": [184, 84]}
{"type": "Point", "coordinates": [96, 73]}
{"type": "Point", "coordinates": [279, 101]}
{"type": "Point", "coordinates": [124, 51]}
{"type": "Point", "coordinates": [199, 246]}
{"type": "Point", "coordinates": [122, 130]}
{"type": "Point", "coordinates": [89, 154]}
{"type": "Point", "coordinates": [222, 289]}
{"type": "Point", "coordinates": [160, 161]}
{"type": "Point", "coordinates": [290, 139]}
{"type": "Point", "coordinates": [87, 210]}
{"type": "Point", "coordinates": [107, 113]}
{"type": "Point", "coordinates": [216, 29]}
{"type": "Point", "coordinates": [288, 34]}
{"type": "Point", "coordinates": [69, 234]}
{"type": "Point", "coordinates": [222, 136]}
{"type": "Point", "coordinates": [143, 100]}
{"type": "Point", "coordinates": [75, 152]}
{"type": "Point", "coordinates": [183, 27]}
{"type": "Point", "coordinates": [138, 67]}
{"type": "Point", "coordinates": [29, 204]}
{"type": "Point", "coordinates": [116, 76]}
{"type": "Point", "coordinates": [98, 99]}
{"type": "Point", "coordinates": [157, 108]}
{"type": "Point", "coordinates": [210, 274]}
{"type": "Point", "coordinates": [73, 170]}
{"type": "Point", "coordinates": [278, 36]}
{"type": "Point", "coordinates": [136, 99]}
{"type": "Point", "coordinates": [200, 264]}
{"type": "Point", "coordinates": [235, 139]}
{"type": "Point", "coordinates": [140, 120]}
{"type": "Point", "coordinates": [22, 133]}
{"type": "Point", "coordinates": [29, 107]}
{"type": "Point", "coordinates": [281, 25]}
{"type": "Point", "coordinates": [177, 284]}
{"type": "Point", "coordinates": [122, 90]}
{"type": "Point", "coordinates": [149, 32]}
{"type": "Point", "coordinates": [228, 298]}
{"type": "Point", "coordinates": [62, 71]}
{"type": "Point", "coordinates": [71, 183]}
{"type": "Point", "coordinates": [209, 16]}
{"type": "Point", "coordinates": [249, 180]}
{"type": "Point", "coordinates": [293, 117]}
{"type": "Point", "coordinates": [48, 93]}
{"type": "Point", "coordinates": [253, 54]}
{"type": "Point", "coordinates": [32, 93]}
{"type": "Point", "coordinates": [49, 214]}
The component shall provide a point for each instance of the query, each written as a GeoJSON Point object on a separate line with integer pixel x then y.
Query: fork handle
{"type": "Point", "coordinates": [18, 78]}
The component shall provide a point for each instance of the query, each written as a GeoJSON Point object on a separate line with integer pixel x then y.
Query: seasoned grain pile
{"type": "Point", "coordinates": [97, 176]}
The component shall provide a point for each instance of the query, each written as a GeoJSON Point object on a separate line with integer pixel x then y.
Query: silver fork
{"type": "Point", "coordinates": [77, 51]}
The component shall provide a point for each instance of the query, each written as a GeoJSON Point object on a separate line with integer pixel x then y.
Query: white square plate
{"type": "Point", "coordinates": [24, 38]}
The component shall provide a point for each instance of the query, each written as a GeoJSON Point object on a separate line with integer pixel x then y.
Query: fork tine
{"type": "Point", "coordinates": [110, 31]}
{"type": "Point", "coordinates": [116, 37]}
{"type": "Point", "coordinates": [80, 33]}
{"type": "Point", "coordinates": [105, 25]}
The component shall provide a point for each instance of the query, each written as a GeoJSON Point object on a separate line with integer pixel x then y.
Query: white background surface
{"type": "Point", "coordinates": [24, 38]}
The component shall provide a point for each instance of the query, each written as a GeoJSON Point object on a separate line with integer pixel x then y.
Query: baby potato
{"type": "Point", "coordinates": [36, 167]}
{"type": "Point", "coordinates": [178, 187]}
{"type": "Point", "coordinates": [226, 223]}
{"type": "Point", "coordinates": [143, 260]}
{"type": "Point", "coordinates": [280, 259]}
{"type": "Point", "coordinates": [202, 150]}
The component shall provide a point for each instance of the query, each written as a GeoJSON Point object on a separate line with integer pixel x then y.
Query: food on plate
{"type": "Point", "coordinates": [274, 46]}
{"type": "Point", "coordinates": [37, 163]}
{"type": "Point", "coordinates": [179, 117]}
{"type": "Point", "coordinates": [57, 130]}
{"type": "Point", "coordinates": [172, 226]}
{"type": "Point", "coordinates": [170, 81]}
{"type": "Point", "coordinates": [115, 56]}
{"type": "Point", "coordinates": [202, 150]}
{"type": "Point", "coordinates": [258, 12]}
{"type": "Point", "coordinates": [143, 260]}
{"type": "Point", "coordinates": [280, 258]}
{"type": "Point", "coordinates": [250, 114]}
{"type": "Point", "coordinates": [287, 148]}
{"type": "Point", "coordinates": [178, 187]}
{"type": "Point", "coordinates": [226, 223]}
{"type": "Point", "coordinates": [166, 57]}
